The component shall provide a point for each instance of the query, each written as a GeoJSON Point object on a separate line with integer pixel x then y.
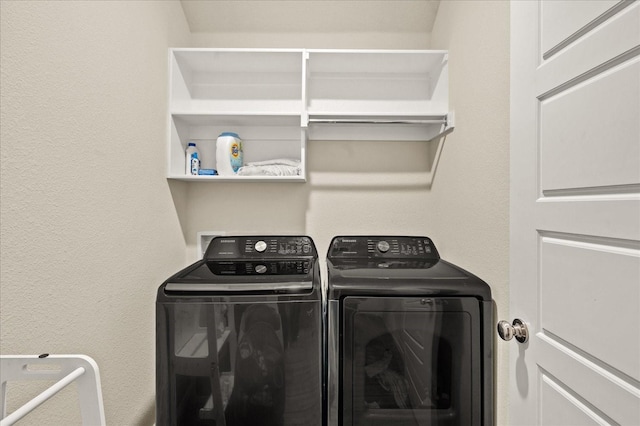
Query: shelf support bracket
{"type": "Point", "coordinates": [447, 127]}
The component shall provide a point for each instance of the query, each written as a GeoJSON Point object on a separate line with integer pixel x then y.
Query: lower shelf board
{"type": "Point", "coordinates": [299, 179]}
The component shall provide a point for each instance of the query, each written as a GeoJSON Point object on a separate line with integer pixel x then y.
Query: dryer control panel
{"type": "Point", "coordinates": [358, 247]}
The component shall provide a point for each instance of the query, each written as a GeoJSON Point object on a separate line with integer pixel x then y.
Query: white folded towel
{"type": "Point", "coordinates": [276, 167]}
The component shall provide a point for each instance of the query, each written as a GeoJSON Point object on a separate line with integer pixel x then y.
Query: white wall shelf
{"type": "Point", "coordinates": [277, 99]}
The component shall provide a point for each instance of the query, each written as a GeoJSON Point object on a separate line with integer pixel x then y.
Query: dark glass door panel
{"type": "Point", "coordinates": [409, 361]}
{"type": "Point", "coordinates": [241, 364]}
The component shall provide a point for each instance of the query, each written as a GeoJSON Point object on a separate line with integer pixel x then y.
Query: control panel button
{"type": "Point", "coordinates": [260, 246]}
{"type": "Point", "coordinates": [261, 269]}
{"type": "Point", "coordinates": [383, 246]}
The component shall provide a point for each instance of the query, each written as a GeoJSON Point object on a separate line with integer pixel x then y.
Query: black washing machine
{"type": "Point", "coordinates": [239, 336]}
{"type": "Point", "coordinates": [409, 336]}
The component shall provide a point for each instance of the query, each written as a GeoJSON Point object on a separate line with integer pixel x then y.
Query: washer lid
{"type": "Point", "coordinates": [245, 275]}
{"type": "Point", "coordinates": [287, 287]}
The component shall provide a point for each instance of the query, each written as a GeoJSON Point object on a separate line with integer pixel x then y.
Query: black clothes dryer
{"type": "Point", "coordinates": [239, 336]}
{"type": "Point", "coordinates": [409, 336]}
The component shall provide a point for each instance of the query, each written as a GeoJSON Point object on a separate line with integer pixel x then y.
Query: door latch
{"type": "Point", "coordinates": [518, 330]}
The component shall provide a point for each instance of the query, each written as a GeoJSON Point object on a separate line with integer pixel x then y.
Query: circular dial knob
{"type": "Point", "coordinates": [383, 246]}
{"type": "Point", "coordinates": [261, 269]}
{"type": "Point", "coordinates": [260, 246]}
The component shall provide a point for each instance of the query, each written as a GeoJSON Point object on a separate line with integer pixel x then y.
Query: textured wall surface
{"type": "Point", "coordinates": [90, 226]}
{"type": "Point", "coordinates": [471, 198]}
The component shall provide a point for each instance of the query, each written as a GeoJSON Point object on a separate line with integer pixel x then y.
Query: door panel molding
{"type": "Point", "coordinates": [565, 406]}
{"type": "Point", "coordinates": [576, 278]}
{"type": "Point", "coordinates": [603, 193]}
{"type": "Point", "coordinates": [561, 19]}
{"type": "Point", "coordinates": [597, 217]}
{"type": "Point", "coordinates": [612, 44]}
{"type": "Point", "coordinates": [616, 397]}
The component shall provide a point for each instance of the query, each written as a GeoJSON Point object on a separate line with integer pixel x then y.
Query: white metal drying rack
{"type": "Point", "coordinates": [65, 369]}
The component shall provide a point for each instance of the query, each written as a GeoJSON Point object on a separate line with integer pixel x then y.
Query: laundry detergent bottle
{"type": "Point", "coordinates": [192, 160]}
{"type": "Point", "coordinates": [229, 154]}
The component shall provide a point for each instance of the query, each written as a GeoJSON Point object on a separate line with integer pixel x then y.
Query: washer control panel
{"type": "Point", "coordinates": [264, 267]}
{"type": "Point", "coordinates": [251, 247]}
{"type": "Point", "coordinates": [383, 247]}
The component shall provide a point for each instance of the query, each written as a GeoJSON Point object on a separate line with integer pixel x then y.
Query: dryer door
{"type": "Point", "coordinates": [411, 361]}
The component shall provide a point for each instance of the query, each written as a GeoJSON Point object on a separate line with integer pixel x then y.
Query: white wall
{"type": "Point", "coordinates": [311, 23]}
{"type": "Point", "coordinates": [87, 80]}
{"type": "Point", "coordinates": [470, 200]}
{"type": "Point", "coordinates": [89, 227]}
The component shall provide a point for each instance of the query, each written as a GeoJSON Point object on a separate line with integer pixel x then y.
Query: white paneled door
{"type": "Point", "coordinates": [575, 212]}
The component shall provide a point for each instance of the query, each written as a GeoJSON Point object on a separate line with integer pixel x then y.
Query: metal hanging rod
{"type": "Point", "coordinates": [381, 120]}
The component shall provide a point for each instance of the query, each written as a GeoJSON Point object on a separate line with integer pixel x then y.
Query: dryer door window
{"type": "Point", "coordinates": [411, 361]}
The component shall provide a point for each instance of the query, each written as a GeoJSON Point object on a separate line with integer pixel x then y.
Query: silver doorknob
{"type": "Point", "coordinates": [518, 330]}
